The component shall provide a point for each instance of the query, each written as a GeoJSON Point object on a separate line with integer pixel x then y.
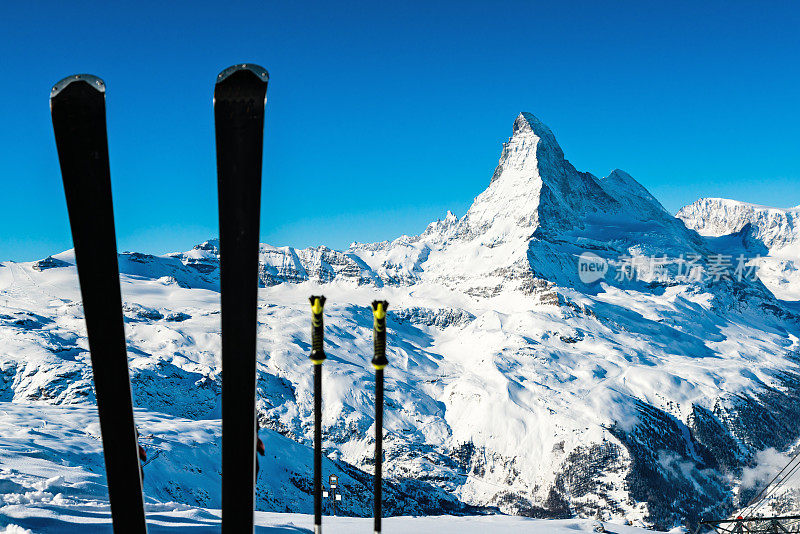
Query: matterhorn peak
{"type": "Point", "coordinates": [526, 123]}
{"type": "Point", "coordinates": [531, 139]}
{"type": "Point", "coordinates": [535, 186]}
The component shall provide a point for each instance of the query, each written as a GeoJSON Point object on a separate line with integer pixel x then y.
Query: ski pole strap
{"type": "Point", "coordinates": [317, 333]}
{"type": "Point", "coordinates": [379, 360]}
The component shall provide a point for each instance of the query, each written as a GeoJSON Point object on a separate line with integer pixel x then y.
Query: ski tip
{"type": "Point", "coordinates": [93, 81]}
{"type": "Point", "coordinates": [261, 72]}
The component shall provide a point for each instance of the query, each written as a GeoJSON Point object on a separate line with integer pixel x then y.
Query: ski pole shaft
{"type": "Point", "coordinates": [317, 357]}
{"type": "Point", "coordinates": [379, 362]}
{"type": "Point", "coordinates": [378, 513]}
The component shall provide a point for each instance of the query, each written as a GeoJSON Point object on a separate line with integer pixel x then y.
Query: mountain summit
{"type": "Point", "coordinates": [514, 234]}
{"type": "Point", "coordinates": [512, 382]}
{"type": "Point", "coordinates": [533, 186]}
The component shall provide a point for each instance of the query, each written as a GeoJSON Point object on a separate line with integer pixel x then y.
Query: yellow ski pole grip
{"type": "Point", "coordinates": [317, 329]}
{"type": "Point", "coordinates": [379, 308]}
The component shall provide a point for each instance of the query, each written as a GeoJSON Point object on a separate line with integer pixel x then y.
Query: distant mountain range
{"type": "Point", "coordinates": [514, 383]}
{"type": "Point", "coordinates": [773, 233]}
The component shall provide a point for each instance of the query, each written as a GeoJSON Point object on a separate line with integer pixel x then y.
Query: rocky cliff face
{"type": "Point", "coordinates": [514, 382]}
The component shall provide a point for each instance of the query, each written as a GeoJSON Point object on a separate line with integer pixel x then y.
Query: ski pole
{"type": "Point", "coordinates": [317, 357]}
{"type": "Point", "coordinates": [379, 362]}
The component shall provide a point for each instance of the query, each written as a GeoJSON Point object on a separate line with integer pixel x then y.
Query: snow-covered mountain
{"type": "Point", "coordinates": [515, 383]}
{"type": "Point", "coordinates": [769, 235]}
{"type": "Point", "coordinates": [775, 228]}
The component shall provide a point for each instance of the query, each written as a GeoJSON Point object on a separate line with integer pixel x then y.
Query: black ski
{"type": "Point", "coordinates": [77, 104]}
{"type": "Point", "coordinates": [379, 362]}
{"type": "Point", "coordinates": [239, 98]}
{"type": "Point", "coordinates": [317, 358]}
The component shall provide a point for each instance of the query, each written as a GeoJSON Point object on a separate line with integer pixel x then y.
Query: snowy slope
{"type": "Point", "coordinates": [183, 519]}
{"type": "Point", "coordinates": [63, 490]}
{"type": "Point", "coordinates": [513, 385]}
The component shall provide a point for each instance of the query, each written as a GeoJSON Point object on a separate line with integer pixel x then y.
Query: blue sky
{"type": "Point", "coordinates": [382, 117]}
